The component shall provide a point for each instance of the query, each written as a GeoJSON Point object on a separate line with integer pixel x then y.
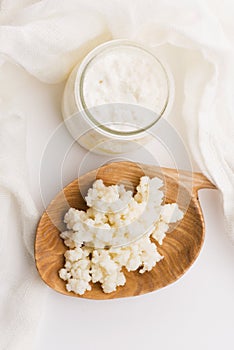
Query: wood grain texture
{"type": "Point", "coordinates": [180, 248]}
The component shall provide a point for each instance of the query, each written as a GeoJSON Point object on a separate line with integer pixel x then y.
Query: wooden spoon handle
{"type": "Point", "coordinates": [201, 181]}
{"type": "Point", "coordinates": [195, 180]}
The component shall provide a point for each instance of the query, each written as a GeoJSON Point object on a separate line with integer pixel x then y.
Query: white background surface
{"type": "Point", "coordinates": [196, 312]}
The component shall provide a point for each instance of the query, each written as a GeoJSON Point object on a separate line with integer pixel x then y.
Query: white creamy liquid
{"type": "Point", "coordinates": [125, 75]}
{"type": "Point", "coordinates": [114, 96]}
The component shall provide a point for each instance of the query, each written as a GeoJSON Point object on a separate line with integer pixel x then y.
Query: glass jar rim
{"type": "Point", "coordinates": [79, 81]}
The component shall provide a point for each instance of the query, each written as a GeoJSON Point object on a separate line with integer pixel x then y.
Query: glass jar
{"type": "Point", "coordinates": [115, 96]}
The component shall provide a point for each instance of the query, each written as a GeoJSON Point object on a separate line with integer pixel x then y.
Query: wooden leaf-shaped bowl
{"type": "Point", "coordinates": [180, 248]}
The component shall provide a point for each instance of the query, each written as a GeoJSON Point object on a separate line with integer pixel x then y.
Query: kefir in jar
{"type": "Point", "coordinates": [115, 96]}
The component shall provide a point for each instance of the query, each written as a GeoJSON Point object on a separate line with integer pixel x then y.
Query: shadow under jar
{"type": "Point", "coordinates": [115, 96]}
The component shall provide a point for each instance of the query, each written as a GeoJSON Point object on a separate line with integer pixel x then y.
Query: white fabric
{"type": "Point", "coordinates": [47, 38]}
{"type": "Point", "coordinates": [21, 291]}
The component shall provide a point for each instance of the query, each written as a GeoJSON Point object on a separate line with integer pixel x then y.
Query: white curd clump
{"type": "Point", "coordinates": [122, 222]}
